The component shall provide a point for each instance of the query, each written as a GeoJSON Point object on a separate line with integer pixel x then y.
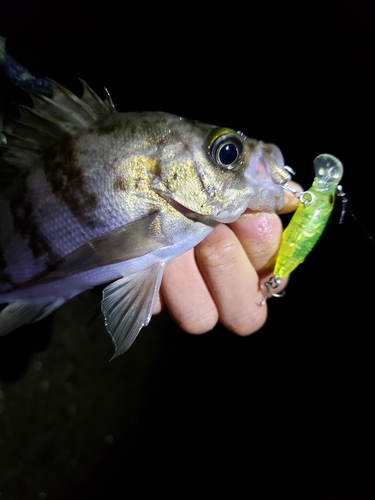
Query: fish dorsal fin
{"type": "Point", "coordinates": [49, 121]}
{"type": "Point", "coordinates": [72, 111]}
{"type": "Point", "coordinates": [128, 304]}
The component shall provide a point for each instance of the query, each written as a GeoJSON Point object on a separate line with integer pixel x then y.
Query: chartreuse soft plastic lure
{"type": "Point", "coordinates": [309, 220]}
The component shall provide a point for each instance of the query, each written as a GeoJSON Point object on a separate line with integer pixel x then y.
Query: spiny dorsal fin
{"type": "Point", "coordinates": [68, 108]}
{"type": "Point", "coordinates": [93, 100]}
{"type": "Point", "coordinates": [49, 121]}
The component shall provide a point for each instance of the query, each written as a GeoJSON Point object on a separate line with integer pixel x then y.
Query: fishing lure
{"type": "Point", "coordinates": [309, 220]}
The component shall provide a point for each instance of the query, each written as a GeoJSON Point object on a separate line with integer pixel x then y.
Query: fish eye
{"type": "Point", "coordinates": [226, 148]}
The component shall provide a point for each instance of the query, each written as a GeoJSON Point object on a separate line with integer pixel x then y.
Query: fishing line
{"type": "Point", "coordinates": [346, 209]}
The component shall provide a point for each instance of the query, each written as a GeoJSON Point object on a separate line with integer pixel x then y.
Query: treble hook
{"type": "Point", "coordinates": [270, 285]}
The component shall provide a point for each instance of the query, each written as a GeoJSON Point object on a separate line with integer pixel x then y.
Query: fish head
{"type": "Point", "coordinates": [214, 173]}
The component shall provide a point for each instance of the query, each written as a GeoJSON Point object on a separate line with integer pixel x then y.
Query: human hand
{"type": "Point", "coordinates": [219, 280]}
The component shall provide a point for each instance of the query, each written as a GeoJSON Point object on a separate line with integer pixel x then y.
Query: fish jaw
{"type": "Point", "coordinates": [211, 211]}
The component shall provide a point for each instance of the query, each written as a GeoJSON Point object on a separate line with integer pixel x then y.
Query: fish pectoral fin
{"type": "Point", "coordinates": [23, 312]}
{"type": "Point", "coordinates": [128, 304]}
{"type": "Point", "coordinates": [124, 243]}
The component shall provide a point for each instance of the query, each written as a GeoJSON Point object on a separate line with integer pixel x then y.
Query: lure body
{"type": "Point", "coordinates": [311, 217]}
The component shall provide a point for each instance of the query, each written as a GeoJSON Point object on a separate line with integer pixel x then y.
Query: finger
{"type": "Point", "coordinates": [186, 296]}
{"type": "Point", "coordinates": [259, 234]}
{"type": "Point", "coordinates": [232, 281]}
{"type": "Point", "coordinates": [160, 304]}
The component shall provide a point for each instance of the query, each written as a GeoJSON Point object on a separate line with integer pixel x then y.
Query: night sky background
{"type": "Point", "coordinates": [289, 409]}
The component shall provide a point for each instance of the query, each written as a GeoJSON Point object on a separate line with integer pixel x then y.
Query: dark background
{"type": "Point", "coordinates": [289, 409]}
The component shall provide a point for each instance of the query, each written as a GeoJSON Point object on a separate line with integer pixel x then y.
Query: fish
{"type": "Point", "coordinates": [309, 220]}
{"type": "Point", "coordinates": [92, 196]}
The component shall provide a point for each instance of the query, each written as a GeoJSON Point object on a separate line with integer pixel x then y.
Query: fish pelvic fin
{"type": "Point", "coordinates": [128, 304]}
{"type": "Point", "coordinates": [48, 122]}
{"type": "Point", "coordinates": [23, 312]}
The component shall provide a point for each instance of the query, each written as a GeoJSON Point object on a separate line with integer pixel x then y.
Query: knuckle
{"type": "Point", "coordinates": [220, 253]}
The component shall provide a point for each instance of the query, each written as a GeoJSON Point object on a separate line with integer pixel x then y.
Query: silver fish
{"type": "Point", "coordinates": [92, 196]}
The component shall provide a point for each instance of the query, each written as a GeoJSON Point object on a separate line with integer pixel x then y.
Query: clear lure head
{"type": "Point", "coordinates": [328, 171]}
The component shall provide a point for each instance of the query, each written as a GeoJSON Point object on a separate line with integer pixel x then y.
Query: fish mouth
{"type": "Point", "coordinates": [267, 174]}
{"type": "Point", "coordinates": [190, 214]}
